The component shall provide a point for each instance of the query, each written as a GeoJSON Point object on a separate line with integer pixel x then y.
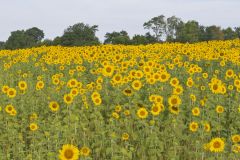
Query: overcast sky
{"type": "Point", "coordinates": [53, 16]}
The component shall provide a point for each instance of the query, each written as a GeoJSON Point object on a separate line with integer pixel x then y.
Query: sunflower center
{"type": "Point", "coordinates": [128, 91]}
{"type": "Point", "coordinates": [217, 144]}
{"type": "Point", "coordinates": [142, 113]}
{"type": "Point", "coordinates": [155, 109]}
{"type": "Point", "coordinates": [174, 108]}
{"type": "Point", "coordinates": [136, 85]}
{"type": "Point", "coordinates": [163, 76]}
{"type": "Point", "coordinates": [54, 105]}
{"type": "Point", "coordinates": [117, 78]}
{"type": "Point", "coordinates": [68, 98]}
{"type": "Point", "coordinates": [108, 69]}
{"type": "Point", "coordinates": [97, 100]}
{"type": "Point", "coordinates": [174, 101]}
{"type": "Point", "coordinates": [11, 93]}
{"type": "Point", "coordinates": [215, 86]}
{"type": "Point", "coordinates": [68, 154]}
{"type": "Point", "coordinates": [194, 126]}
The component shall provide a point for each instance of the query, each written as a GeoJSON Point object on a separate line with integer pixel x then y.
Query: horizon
{"type": "Point", "coordinates": [113, 16]}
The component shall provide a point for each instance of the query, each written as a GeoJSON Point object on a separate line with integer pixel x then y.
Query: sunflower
{"type": "Point", "coordinates": [193, 97]}
{"type": "Point", "coordinates": [33, 116]}
{"type": "Point", "coordinates": [74, 92]}
{"type": "Point", "coordinates": [68, 98]}
{"type": "Point", "coordinates": [33, 126]}
{"type": "Point", "coordinates": [216, 145]}
{"type": "Point", "coordinates": [236, 148]}
{"type": "Point", "coordinates": [174, 109]}
{"type": "Point", "coordinates": [118, 108]}
{"type": "Point", "coordinates": [95, 94]}
{"type": "Point", "coordinates": [5, 89]}
{"type": "Point", "coordinates": [193, 126]}
{"type": "Point", "coordinates": [207, 127]}
{"type": "Point", "coordinates": [39, 85]}
{"type": "Point", "coordinates": [55, 81]}
{"type": "Point", "coordinates": [156, 109]}
{"type": "Point", "coordinates": [178, 90]}
{"type": "Point", "coordinates": [236, 138]}
{"type": "Point", "coordinates": [152, 98]}
{"type": "Point", "coordinates": [205, 75]}
{"type": "Point", "coordinates": [125, 136]}
{"type": "Point", "coordinates": [13, 113]}
{"type": "Point", "coordinates": [237, 83]}
{"type": "Point", "coordinates": [174, 81]}
{"type": "Point", "coordinates": [72, 83]}
{"type": "Point", "coordinates": [117, 79]}
{"type": "Point", "coordinates": [174, 100]}
{"type": "Point", "coordinates": [229, 73]}
{"type": "Point", "coordinates": [127, 113]}
{"type": "Point", "coordinates": [11, 92]}
{"type": "Point", "coordinates": [164, 76]}
{"type": "Point", "coordinates": [158, 99]}
{"type": "Point", "coordinates": [69, 152]}
{"type": "Point", "coordinates": [190, 82]}
{"type": "Point", "coordinates": [136, 84]}
{"type": "Point", "coordinates": [196, 111]}
{"type": "Point", "coordinates": [219, 109]}
{"type": "Point", "coordinates": [85, 151]}
{"type": "Point", "coordinates": [22, 85]}
{"type": "Point", "coordinates": [115, 115]}
{"type": "Point", "coordinates": [142, 113]}
{"type": "Point", "coordinates": [54, 106]}
{"type": "Point", "coordinates": [108, 71]}
{"type": "Point", "coordinates": [97, 101]}
{"type": "Point", "coordinates": [9, 108]}
{"type": "Point", "coordinates": [127, 92]}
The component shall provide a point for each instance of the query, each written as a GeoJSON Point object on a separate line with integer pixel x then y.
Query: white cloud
{"type": "Point", "coordinates": [53, 16]}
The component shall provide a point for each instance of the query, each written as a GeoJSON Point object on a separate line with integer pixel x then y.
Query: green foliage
{"type": "Point", "coordinates": [139, 39]}
{"type": "Point", "coordinates": [2, 45]}
{"type": "Point", "coordinates": [80, 34]}
{"type": "Point", "coordinates": [229, 34]}
{"type": "Point", "coordinates": [237, 31]}
{"type": "Point", "coordinates": [189, 32]}
{"type": "Point", "coordinates": [121, 37]}
{"type": "Point", "coordinates": [173, 23]}
{"type": "Point", "coordinates": [161, 29]}
{"type": "Point", "coordinates": [157, 25]}
{"type": "Point", "coordinates": [24, 39]}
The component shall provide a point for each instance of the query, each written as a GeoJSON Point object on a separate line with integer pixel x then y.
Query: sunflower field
{"type": "Point", "coordinates": [168, 101]}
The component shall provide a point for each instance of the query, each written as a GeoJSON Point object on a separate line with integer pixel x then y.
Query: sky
{"type": "Point", "coordinates": [53, 16]}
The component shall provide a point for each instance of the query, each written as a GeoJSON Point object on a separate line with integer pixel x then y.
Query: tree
{"type": "Point", "coordinates": [173, 23]}
{"type": "Point", "coordinates": [57, 41]}
{"type": "Point", "coordinates": [150, 38]}
{"type": "Point", "coordinates": [188, 32]}
{"type": "Point", "coordinates": [16, 40]}
{"type": "Point", "coordinates": [139, 39]}
{"type": "Point", "coordinates": [24, 39]}
{"type": "Point", "coordinates": [237, 31]}
{"type": "Point", "coordinates": [229, 33]}
{"type": "Point", "coordinates": [121, 37]}
{"type": "Point", "coordinates": [47, 42]}
{"type": "Point", "coordinates": [157, 25]}
{"type": "Point", "coordinates": [35, 34]}
{"type": "Point", "coordinates": [2, 45]}
{"type": "Point", "coordinates": [202, 33]}
{"type": "Point", "coordinates": [214, 33]}
{"type": "Point", "coordinates": [80, 34]}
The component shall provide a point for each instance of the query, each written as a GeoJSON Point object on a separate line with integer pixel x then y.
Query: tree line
{"type": "Point", "coordinates": [160, 29]}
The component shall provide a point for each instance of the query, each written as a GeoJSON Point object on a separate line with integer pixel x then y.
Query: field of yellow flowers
{"type": "Point", "coordinates": [166, 101]}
